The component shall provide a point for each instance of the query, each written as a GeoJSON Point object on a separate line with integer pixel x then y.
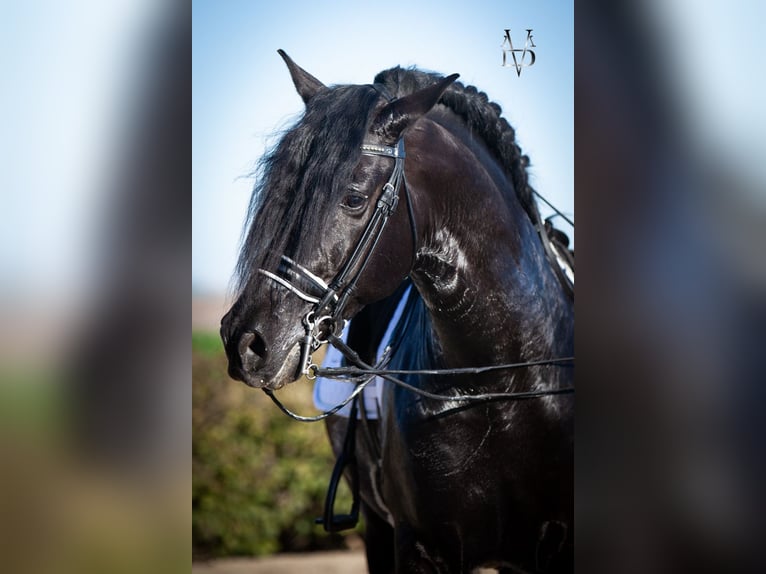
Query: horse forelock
{"type": "Point", "coordinates": [302, 177]}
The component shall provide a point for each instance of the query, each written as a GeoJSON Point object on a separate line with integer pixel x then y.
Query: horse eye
{"type": "Point", "coordinates": [354, 200]}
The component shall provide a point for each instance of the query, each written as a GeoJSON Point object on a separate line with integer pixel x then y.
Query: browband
{"type": "Point", "coordinates": [384, 150]}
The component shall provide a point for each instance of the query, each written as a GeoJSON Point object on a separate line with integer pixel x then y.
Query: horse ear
{"type": "Point", "coordinates": [306, 84]}
{"type": "Point", "coordinates": [401, 114]}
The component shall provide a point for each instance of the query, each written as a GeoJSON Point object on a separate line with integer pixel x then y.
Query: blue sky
{"type": "Point", "coordinates": [242, 93]}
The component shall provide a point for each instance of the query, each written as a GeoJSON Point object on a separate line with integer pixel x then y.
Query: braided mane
{"type": "Point", "coordinates": [480, 115]}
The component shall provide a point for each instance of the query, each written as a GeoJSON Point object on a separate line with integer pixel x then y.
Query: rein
{"type": "Point", "coordinates": [367, 373]}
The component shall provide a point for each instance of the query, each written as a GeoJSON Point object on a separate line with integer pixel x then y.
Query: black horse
{"type": "Point", "coordinates": [446, 486]}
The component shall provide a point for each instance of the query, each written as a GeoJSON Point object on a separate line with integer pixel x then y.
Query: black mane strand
{"type": "Point", "coordinates": [307, 170]}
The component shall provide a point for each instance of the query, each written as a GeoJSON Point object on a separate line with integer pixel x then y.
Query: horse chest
{"type": "Point", "coordinates": [429, 467]}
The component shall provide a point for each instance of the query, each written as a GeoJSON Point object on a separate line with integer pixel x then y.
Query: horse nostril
{"type": "Point", "coordinates": [252, 349]}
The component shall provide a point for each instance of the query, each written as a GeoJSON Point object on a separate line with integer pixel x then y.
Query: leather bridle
{"type": "Point", "coordinates": [326, 314]}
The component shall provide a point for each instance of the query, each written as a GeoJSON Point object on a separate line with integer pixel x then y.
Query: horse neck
{"type": "Point", "coordinates": [481, 268]}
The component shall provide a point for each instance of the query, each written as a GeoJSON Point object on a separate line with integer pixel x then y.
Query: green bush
{"type": "Point", "coordinates": [259, 478]}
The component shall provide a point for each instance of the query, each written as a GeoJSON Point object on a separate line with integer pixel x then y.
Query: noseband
{"type": "Point", "coordinates": [321, 321]}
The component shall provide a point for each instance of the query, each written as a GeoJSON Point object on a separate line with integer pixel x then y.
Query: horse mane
{"type": "Point", "coordinates": [311, 165]}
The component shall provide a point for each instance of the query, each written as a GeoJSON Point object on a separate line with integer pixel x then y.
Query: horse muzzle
{"type": "Point", "coordinates": [249, 358]}
{"type": "Point", "coordinates": [256, 361]}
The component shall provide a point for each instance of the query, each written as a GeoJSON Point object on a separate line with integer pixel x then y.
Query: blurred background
{"type": "Point", "coordinates": [669, 136]}
{"type": "Point", "coordinates": [95, 365]}
{"type": "Point", "coordinates": [99, 155]}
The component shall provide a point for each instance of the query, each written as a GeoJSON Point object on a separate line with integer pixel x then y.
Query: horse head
{"type": "Point", "coordinates": [328, 232]}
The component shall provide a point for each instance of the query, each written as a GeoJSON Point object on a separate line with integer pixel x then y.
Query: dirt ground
{"type": "Point", "coordinates": [346, 562]}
